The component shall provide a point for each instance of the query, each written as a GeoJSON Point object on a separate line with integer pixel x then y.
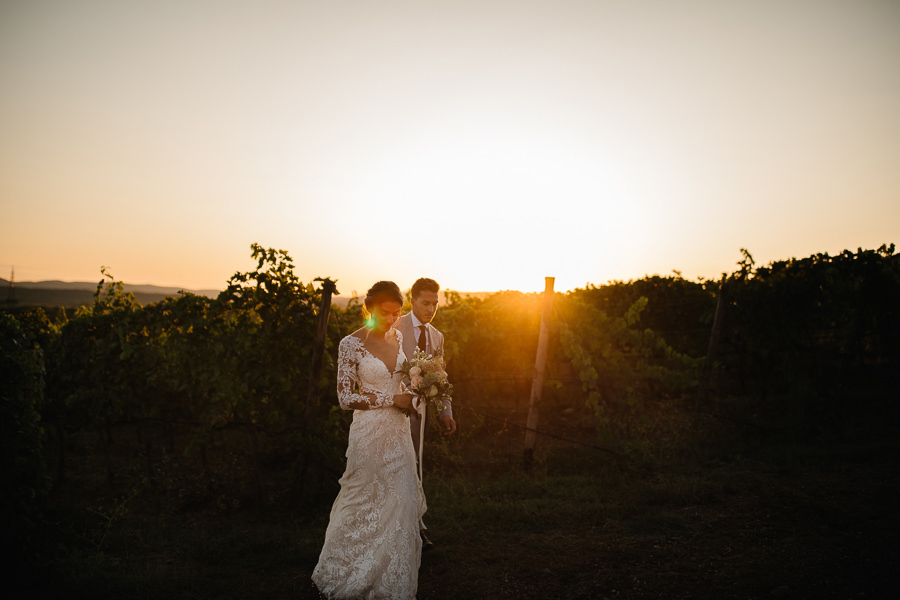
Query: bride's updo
{"type": "Point", "coordinates": [381, 292]}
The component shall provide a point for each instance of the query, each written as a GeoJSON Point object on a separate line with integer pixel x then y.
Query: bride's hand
{"type": "Point", "coordinates": [404, 401]}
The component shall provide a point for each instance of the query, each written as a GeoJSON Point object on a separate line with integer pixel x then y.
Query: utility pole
{"type": "Point", "coordinates": [11, 293]}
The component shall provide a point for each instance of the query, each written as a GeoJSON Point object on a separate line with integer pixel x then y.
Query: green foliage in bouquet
{"type": "Point", "coordinates": [424, 376]}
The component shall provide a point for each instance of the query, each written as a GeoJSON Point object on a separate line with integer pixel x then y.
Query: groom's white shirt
{"type": "Point", "coordinates": [409, 329]}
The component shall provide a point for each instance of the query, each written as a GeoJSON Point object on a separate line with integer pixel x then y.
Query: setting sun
{"type": "Point", "coordinates": [485, 146]}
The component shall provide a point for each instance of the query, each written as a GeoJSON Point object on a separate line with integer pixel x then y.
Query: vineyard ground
{"type": "Point", "coordinates": [763, 516]}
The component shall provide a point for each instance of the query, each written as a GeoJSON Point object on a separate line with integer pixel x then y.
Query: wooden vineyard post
{"type": "Point", "coordinates": [537, 384]}
{"type": "Point", "coordinates": [315, 368]}
{"type": "Point", "coordinates": [713, 347]}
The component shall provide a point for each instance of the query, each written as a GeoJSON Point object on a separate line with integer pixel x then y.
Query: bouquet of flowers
{"type": "Point", "coordinates": [427, 379]}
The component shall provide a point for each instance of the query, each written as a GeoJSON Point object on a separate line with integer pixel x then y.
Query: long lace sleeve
{"type": "Point", "coordinates": [347, 380]}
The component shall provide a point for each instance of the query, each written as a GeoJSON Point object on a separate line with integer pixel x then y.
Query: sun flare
{"type": "Point", "coordinates": [512, 200]}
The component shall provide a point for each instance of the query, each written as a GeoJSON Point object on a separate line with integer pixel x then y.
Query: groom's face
{"type": "Point", "coordinates": [425, 305]}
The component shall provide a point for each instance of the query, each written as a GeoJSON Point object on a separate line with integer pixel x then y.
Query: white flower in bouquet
{"type": "Point", "coordinates": [428, 379]}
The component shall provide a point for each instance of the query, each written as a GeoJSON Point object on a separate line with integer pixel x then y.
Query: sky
{"type": "Point", "coordinates": [485, 144]}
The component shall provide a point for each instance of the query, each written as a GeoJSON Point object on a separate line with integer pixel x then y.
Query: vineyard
{"type": "Point", "coordinates": [142, 443]}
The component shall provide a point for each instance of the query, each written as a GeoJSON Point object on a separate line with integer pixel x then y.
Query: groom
{"type": "Point", "coordinates": [418, 332]}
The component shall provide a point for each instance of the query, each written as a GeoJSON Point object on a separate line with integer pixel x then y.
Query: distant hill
{"type": "Point", "coordinates": [81, 293]}
{"type": "Point", "coordinates": [342, 301]}
{"type": "Point", "coordinates": [92, 286]}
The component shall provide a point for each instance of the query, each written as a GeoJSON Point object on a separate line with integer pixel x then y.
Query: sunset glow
{"type": "Point", "coordinates": [484, 144]}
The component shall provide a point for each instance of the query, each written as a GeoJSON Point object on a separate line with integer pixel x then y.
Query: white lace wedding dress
{"type": "Point", "coordinates": [372, 544]}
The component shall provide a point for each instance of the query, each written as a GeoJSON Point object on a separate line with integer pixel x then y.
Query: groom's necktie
{"type": "Point", "coordinates": [423, 340]}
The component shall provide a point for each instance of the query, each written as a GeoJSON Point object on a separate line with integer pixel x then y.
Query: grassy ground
{"type": "Point", "coordinates": [792, 521]}
{"type": "Point", "coordinates": [765, 516]}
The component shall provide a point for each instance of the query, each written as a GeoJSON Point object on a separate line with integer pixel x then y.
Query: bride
{"type": "Point", "coordinates": [372, 544]}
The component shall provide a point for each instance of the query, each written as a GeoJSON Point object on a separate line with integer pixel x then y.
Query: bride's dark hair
{"type": "Point", "coordinates": [381, 291]}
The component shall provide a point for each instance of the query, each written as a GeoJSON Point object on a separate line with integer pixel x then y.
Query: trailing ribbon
{"type": "Point", "coordinates": [420, 404]}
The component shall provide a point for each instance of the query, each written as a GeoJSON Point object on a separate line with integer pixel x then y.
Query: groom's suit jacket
{"type": "Point", "coordinates": [436, 338]}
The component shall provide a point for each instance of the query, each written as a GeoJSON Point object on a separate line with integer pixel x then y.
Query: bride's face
{"type": "Point", "coordinates": [385, 314]}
